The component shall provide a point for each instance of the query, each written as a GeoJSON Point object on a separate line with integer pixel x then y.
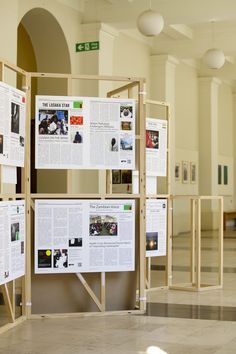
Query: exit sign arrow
{"type": "Point", "coordinates": [87, 46]}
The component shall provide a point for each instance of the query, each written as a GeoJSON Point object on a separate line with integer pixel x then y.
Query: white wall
{"type": "Point", "coordinates": [186, 107]}
{"type": "Point", "coordinates": [131, 58]}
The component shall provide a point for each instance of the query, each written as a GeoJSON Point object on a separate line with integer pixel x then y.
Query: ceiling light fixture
{"type": "Point", "coordinates": [214, 58]}
{"type": "Point", "coordinates": [150, 23]}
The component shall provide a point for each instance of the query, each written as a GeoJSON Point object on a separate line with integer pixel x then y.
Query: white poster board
{"type": "Point", "coordinates": [84, 133]}
{"type": "Point", "coordinates": [156, 147]}
{"type": "Point", "coordinates": [12, 240]}
{"type": "Point", "coordinates": [84, 236]}
{"type": "Point", "coordinates": [156, 227]}
{"type": "Point", "coordinates": [12, 125]}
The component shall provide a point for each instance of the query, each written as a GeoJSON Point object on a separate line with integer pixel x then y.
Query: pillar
{"type": "Point", "coordinates": [162, 88]}
{"type": "Point", "coordinates": [208, 143]}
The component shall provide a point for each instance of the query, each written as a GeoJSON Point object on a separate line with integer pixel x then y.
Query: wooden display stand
{"type": "Point", "coordinates": [132, 88]}
{"type": "Point", "coordinates": [9, 290]}
{"type": "Point", "coordinates": [166, 195]}
{"type": "Point", "coordinates": [195, 283]}
{"type": "Point", "coordinates": [140, 198]}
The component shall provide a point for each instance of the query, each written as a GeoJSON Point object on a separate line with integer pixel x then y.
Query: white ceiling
{"type": "Point", "coordinates": [188, 29]}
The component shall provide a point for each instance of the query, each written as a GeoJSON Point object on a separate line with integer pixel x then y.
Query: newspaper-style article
{"type": "Point", "coordinates": [156, 146]}
{"type": "Point", "coordinates": [12, 125]}
{"type": "Point", "coordinates": [84, 236]}
{"type": "Point", "coordinates": [12, 240]}
{"type": "Point", "coordinates": [156, 227]}
{"type": "Point", "coordinates": [83, 132]}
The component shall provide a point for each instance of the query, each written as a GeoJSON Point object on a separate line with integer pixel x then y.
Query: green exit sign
{"type": "Point", "coordinates": [87, 46]}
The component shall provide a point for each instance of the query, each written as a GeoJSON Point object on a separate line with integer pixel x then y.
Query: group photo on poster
{"type": "Point", "coordinates": [84, 133]}
{"type": "Point", "coordinates": [84, 236]}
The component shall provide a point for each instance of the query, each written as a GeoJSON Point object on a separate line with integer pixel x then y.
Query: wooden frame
{"type": "Point", "coordinates": [9, 290]}
{"type": "Point", "coordinates": [148, 266]}
{"type": "Point", "coordinates": [100, 301]}
{"type": "Point", "coordinates": [195, 283]}
{"type": "Point", "coordinates": [166, 106]}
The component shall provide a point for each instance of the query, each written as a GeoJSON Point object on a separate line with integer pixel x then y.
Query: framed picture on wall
{"type": "Point", "coordinates": [177, 171]}
{"type": "Point", "coordinates": [193, 172]}
{"type": "Point", "coordinates": [225, 175]}
{"type": "Point", "coordinates": [219, 174]}
{"type": "Point", "coordinates": [185, 172]}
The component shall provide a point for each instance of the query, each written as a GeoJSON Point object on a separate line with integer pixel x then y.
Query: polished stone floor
{"type": "Point", "coordinates": [121, 335]}
{"type": "Point", "coordinates": [177, 322]}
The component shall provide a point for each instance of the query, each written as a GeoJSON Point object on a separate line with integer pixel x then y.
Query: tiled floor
{"type": "Point", "coordinates": [178, 322]}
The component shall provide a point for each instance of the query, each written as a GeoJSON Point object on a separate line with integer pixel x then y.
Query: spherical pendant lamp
{"type": "Point", "coordinates": [150, 23]}
{"type": "Point", "coordinates": [214, 58]}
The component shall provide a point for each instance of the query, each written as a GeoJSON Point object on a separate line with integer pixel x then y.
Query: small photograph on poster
{"type": "Point", "coordinates": [77, 137]}
{"type": "Point", "coordinates": [116, 177]}
{"type": "Point", "coordinates": [76, 120]}
{"type": "Point", "coordinates": [53, 122]}
{"type": "Point", "coordinates": [75, 242]}
{"type": "Point", "coordinates": [22, 141]}
{"type": "Point", "coordinates": [22, 247]}
{"type": "Point", "coordinates": [185, 172]}
{"type": "Point", "coordinates": [103, 225]}
{"type": "Point", "coordinates": [15, 231]}
{"type": "Point", "coordinates": [126, 143]}
{"type": "Point", "coordinates": [126, 111]}
{"type": "Point", "coordinates": [177, 171]}
{"type": "Point", "coordinates": [114, 144]}
{"type": "Point", "coordinates": [1, 143]}
{"type": "Point", "coordinates": [151, 241]}
{"type": "Point", "coordinates": [126, 126]}
{"type": "Point", "coordinates": [60, 258]}
{"type": "Point", "coordinates": [152, 139]}
{"type": "Point", "coordinates": [15, 118]}
{"type": "Point", "coordinates": [126, 176]}
{"type": "Point", "coordinates": [45, 258]}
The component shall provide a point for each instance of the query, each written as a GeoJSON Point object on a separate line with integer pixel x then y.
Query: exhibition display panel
{"type": "Point", "coordinates": [108, 228]}
{"type": "Point", "coordinates": [157, 177]}
{"type": "Point", "coordinates": [13, 226]}
{"type": "Point", "coordinates": [92, 243]}
{"type": "Point", "coordinates": [89, 235]}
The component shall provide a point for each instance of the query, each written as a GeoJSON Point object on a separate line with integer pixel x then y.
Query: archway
{"type": "Point", "coordinates": [42, 47]}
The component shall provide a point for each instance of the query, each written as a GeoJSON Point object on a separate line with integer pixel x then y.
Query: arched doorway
{"type": "Point", "coordinates": [42, 47]}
